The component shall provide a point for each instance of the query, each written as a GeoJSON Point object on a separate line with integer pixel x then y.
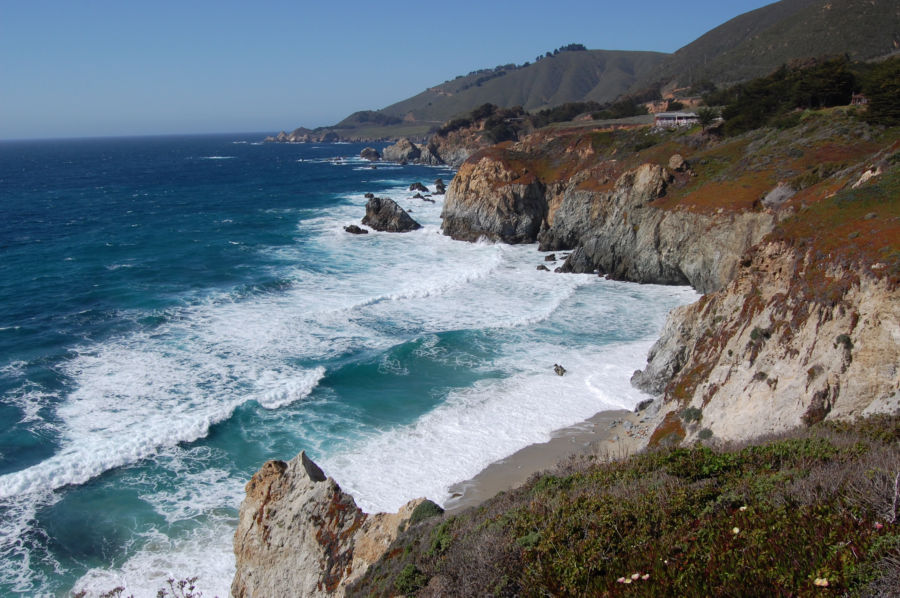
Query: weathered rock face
{"type": "Point", "coordinates": [300, 535]}
{"type": "Point", "coordinates": [429, 154]}
{"type": "Point", "coordinates": [402, 151]}
{"type": "Point", "coordinates": [771, 351]}
{"type": "Point", "coordinates": [384, 214]}
{"type": "Point", "coordinates": [619, 233]}
{"type": "Point", "coordinates": [489, 198]}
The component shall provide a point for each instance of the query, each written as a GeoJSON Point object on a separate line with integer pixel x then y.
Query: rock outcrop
{"type": "Point", "coordinates": [493, 199]}
{"type": "Point", "coordinates": [403, 151]}
{"type": "Point", "coordinates": [370, 153]}
{"type": "Point", "coordinates": [619, 233]}
{"type": "Point", "coordinates": [385, 215]}
{"type": "Point", "coordinates": [299, 534]}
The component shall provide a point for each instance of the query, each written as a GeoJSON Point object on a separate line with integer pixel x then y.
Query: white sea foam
{"type": "Point", "coordinates": [217, 157]}
{"type": "Point", "coordinates": [139, 396]}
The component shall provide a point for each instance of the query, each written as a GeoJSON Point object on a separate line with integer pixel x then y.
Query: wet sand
{"type": "Point", "coordinates": [608, 434]}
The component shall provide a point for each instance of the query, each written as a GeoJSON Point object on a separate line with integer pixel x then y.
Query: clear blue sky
{"type": "Point", "coordinates": [71, 68]}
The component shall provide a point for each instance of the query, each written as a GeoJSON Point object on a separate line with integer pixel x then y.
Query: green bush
{"type": "Point", "coordinates": [410, 580]}
{"type": "Point", "coordinates": [424, 511]}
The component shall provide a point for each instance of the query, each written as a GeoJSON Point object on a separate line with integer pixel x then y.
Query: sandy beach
{"type": "Point", "coordinates": [611, 434]}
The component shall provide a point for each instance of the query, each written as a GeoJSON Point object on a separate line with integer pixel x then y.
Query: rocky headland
{"type": "Point", "coordinates": [800, 320]}
{"type": "Point", "coordinates": [791, 235]}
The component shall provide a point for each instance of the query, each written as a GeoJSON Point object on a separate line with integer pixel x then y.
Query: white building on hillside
{"type": "Point", "coordinates": [671, 120]}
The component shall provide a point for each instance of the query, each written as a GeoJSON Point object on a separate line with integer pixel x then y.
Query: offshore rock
{"type": "Point", "coordinates": [355, 230]}
{"type": "Point", "coordinates": [439, 187]}
{"type": "Point", "coordinates": [370, 153]}
{"type": "Point", "coordinates": [491, 198]}
{"type": "Point", "coordinates": [402, 151]}
{"type": "Point", "coordinates": [299, 534]}
{"type": "Point", "coordinates": [385, 215]}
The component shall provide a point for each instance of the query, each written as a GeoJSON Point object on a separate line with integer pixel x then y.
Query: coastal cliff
{"type": "Point", "coordinates": [800, 320]}
{"type": "Point", "coordinates": [792, 236]}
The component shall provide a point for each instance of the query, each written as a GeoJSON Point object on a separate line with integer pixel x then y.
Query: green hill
{"type": "Point", "coordinates": [570, 76]}
{"type": "Point", "coordinates": [756, 43]}
{"type": "Point", "coordinates": [751, 45]}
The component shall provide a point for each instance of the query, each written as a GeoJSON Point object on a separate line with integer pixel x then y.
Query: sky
{"type": "Point", "coordinates": [90, 68]}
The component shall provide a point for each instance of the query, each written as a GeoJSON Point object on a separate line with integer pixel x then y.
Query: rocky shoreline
{"type": "Point", "coordinates": [792, 329]}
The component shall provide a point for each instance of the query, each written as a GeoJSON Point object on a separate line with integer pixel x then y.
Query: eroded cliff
{"type": "Point", "coordinates": [793, 236]}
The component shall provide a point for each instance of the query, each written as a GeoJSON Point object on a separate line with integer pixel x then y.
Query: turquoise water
{"type": "Point", "coordinates": [176, 310]}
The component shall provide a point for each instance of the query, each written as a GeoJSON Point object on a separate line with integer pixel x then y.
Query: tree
{"type": "Point", "coordinates": [707, 115]}
{"type": "Point", "coordinates": [882, 87]}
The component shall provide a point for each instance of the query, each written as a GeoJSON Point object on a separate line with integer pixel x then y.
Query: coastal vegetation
{"type": "Point", "coordinates": [784, 515]}
{"type": "Point", "coordinates": [777, 98]}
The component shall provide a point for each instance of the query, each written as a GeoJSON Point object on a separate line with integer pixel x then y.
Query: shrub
{"type": "Point", "coordinates": [424, 511]}
{"type": "Point", "coordinates": [691, 414]}
{"type": "Point", "coordinates": [410, 580]}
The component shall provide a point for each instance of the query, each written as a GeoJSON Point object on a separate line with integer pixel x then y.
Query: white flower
{"type": "Point", "coordinates": [635, 576]}
{"type": "Point", "coordinates": [735, 530]}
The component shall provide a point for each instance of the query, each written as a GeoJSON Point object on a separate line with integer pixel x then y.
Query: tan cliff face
{"type": "Point", "coordinates": [299, 534]}
{"type": "Point", "coordinates": [762, 356]}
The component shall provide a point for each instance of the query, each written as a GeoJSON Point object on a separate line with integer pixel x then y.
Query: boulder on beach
{"type": "Point", "coordinates": [385, 215]}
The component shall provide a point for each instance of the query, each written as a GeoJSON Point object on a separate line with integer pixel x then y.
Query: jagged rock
{"type": "Point", "coordinates": [439, 187]}
{"type": "Point", "coordinates": [622, 234]}
{"type": "Point", "coordinates": [560, 370]}
{"type": "Point", "coordinates": [643, 405]}
{"type": "Point", "coordinates": [543, 268]}
{"type": "Point", "coordinates": [428, 154]}
{"type": "Point", "coordinates": [355, 230]}
{"type": "Point", "coordinates": [550, 258]}
{"type": "Point", "coordinates": [384, 214]}
{"type": "Point", "coordinates": [369, 195]}
{"type": "Point", "coordinates": [402, 151]}
{"type": "Point", "coordinates": [577, 263]}
{"type": "Point", "coordinates": [370, 153]}
{"type": "Point", "coordinates": [418, 187]}
{"type": "Point", "coordinates": [299, 534]}
{"type": "Point", "coordinates": [777, 196]}
{"type": "Point", "coordinates": [483, 201]}
{"type": "Point", "coordinates": [677, 163]}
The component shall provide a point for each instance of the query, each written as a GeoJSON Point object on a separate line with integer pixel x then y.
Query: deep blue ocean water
{"type": "Point", "coordinates": [176, 310]}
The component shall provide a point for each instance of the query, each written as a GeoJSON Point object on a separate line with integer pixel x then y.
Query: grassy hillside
{"type": "Point", "coordinates": [758, 42]}
{"type": "Point", "coordinates": [574, 76]}
{"type": "Point", "coordinates": [802, 514]}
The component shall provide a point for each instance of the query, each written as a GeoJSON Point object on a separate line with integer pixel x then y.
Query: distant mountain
{"type": "Point", "coordinates": [750, 45]}
{"type": "Point", "coordinates": [757, 42]}
{"type": "Point", "coordinates": [569, 76]}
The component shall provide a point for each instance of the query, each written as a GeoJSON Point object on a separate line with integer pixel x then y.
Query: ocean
{"type": "Point", "coordinates": [174, 311]}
